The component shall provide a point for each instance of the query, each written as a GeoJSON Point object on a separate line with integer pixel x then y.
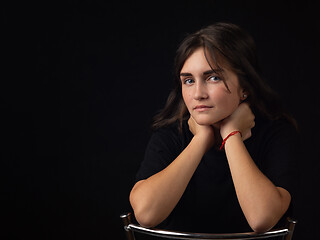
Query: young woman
{"type": "Point", "coordinates": [223, 154]}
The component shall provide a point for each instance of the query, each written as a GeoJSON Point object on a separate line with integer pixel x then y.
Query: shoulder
{"type": "Point", "coordinates": [273, 140]}
{"type": "Point", "coordinates": [172, 132]}
{"type": "Point", "coordinates": [172, 138]}
{"type": "Point", "coordinates": [279, 152]}
{"type": "Point", "coordinates": [279, 128]}
{"type": "Point", "coordinates": [168, 133]}
{"type": "Point", "coordinates": [165, 144]}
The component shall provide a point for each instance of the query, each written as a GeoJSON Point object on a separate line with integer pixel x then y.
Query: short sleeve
{"type": "Point", "coordinates": [163, 147]}
{"type": "Point", "coordinates": [282, 154]}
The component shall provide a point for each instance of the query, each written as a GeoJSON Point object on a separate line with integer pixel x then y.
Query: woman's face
{"type": "Point", "coordinates": [204, 92]}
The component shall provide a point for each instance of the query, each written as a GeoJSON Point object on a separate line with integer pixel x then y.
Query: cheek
{"type": "Point", "coordinates": [186, 95]}
{"type": "Point", "coordinates": [224, 97]}
{"type": "Point", "coordinates": [225, 101]}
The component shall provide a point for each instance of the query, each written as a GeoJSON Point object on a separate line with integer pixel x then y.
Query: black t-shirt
{"type": "Point", "coordinates": [209, 203]}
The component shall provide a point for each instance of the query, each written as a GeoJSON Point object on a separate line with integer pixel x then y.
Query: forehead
{"type": "Point", "coordinates": [196, 62]}
{"type": "Point", "coordinates": [203, 61]}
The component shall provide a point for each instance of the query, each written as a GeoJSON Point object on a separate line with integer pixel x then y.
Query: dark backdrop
{"type": "Point", "coordinates": [82, 81]}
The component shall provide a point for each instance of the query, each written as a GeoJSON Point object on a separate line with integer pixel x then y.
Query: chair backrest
{"type": "Point", "coordinates": [130, 229]}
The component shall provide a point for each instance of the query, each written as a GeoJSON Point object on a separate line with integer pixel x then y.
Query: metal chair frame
{"type": "Point", "coordinates": [130, 228]}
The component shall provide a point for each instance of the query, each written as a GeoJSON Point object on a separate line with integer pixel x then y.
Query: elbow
{"type": "Point", "coordinates": [144, 219]}
{"type": "Point", "coordinates": [260, 228]}
{"type": "Point", "coordinates": [142, 212]}
{"type": "Point", "coordinates": [267, 218]}
{"type": "Point", "coordinates": [262, 224]}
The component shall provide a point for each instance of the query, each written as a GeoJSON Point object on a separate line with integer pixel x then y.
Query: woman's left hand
{"type": "Point", "coordinates": [242, 119]}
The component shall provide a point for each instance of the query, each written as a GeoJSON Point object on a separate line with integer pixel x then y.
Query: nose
{"type": "Point", "coordinates": [200, 91]}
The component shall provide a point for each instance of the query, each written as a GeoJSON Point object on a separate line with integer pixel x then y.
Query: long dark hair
{"type": "Point", "coordinates": [227, 44]}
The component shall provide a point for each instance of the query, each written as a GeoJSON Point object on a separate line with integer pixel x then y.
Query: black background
{"type": "Point", "coordinates": [81, 81]}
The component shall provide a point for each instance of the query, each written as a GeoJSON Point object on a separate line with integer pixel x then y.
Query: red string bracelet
{"type": "Point", "coordinates": [230, 134]}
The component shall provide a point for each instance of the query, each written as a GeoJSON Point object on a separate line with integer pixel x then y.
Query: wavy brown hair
{"type": "Point", "coordinates": [227, 45]}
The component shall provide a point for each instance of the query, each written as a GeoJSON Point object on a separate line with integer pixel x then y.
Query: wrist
{"type": "Point", "coordinates": [204, 141]}
{"type": "Point", "coordinates": [225, 132]}
{"type": "Point", "coordinates": [230, 135]}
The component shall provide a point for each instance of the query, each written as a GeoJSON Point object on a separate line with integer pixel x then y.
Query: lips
{"type": "Point", "coordinates": [201, 108]}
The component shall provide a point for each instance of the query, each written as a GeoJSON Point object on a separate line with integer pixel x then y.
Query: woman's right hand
{"type": "Point", "coordinates": [205, 132]}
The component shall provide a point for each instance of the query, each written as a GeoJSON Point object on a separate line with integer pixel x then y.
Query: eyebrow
{"type": "Point", "coordinates": [186, 74]}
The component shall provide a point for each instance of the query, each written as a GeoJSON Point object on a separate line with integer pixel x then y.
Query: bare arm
{"type": "Point", "coordinates": [154, 199]}
{"type": "Point", "coordinates": [262, 203]}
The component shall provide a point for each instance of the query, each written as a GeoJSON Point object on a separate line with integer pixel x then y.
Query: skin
{"type": "Point", "coordinates": [214, 113]}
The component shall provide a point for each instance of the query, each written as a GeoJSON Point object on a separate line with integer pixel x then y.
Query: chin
{"type": "Point", "coordinates": [206, 120]}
